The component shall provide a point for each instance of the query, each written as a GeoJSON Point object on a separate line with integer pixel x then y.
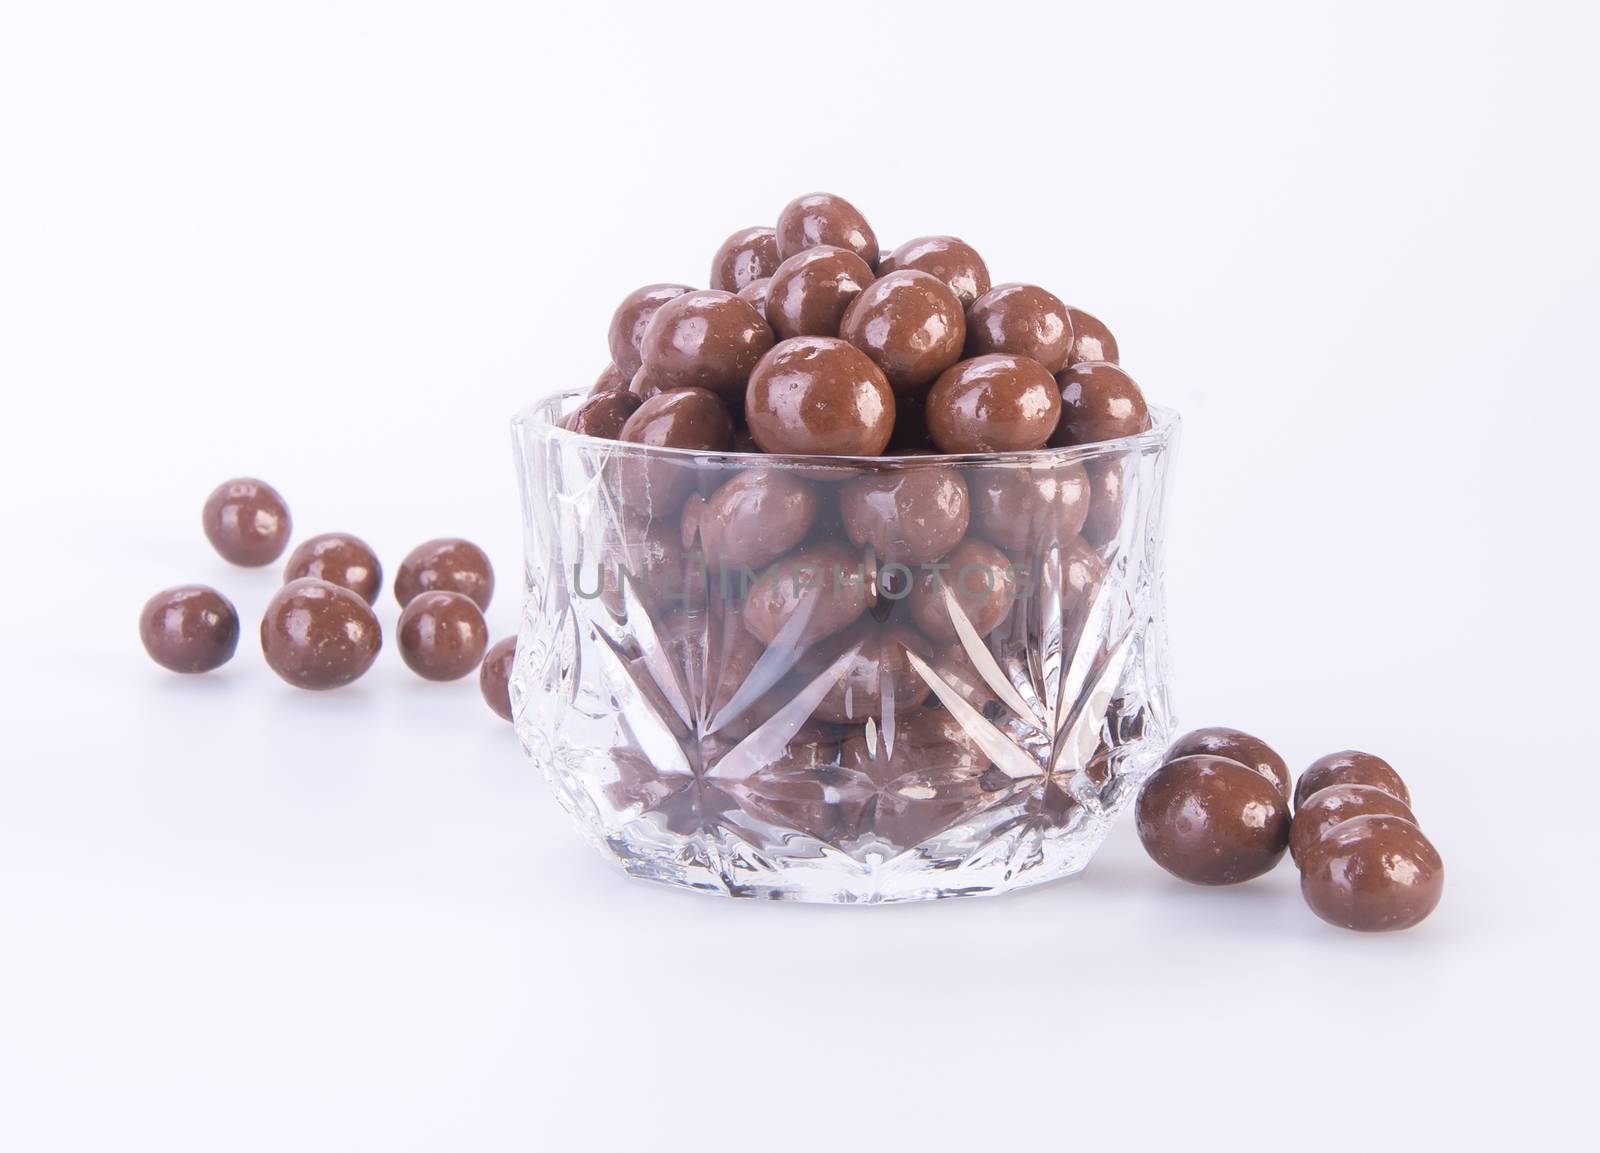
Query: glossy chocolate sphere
{"type": "Point", "coordinates": [953, 261]}
{"type": "Point", "coordinates": [910, 324]}
{"type": "Point", "coordinates": [1022, 319]}
{"type": "Point", "coordinates": [339, 558]}
{"type": "Point", "coordinates": [693, 418]}
{"type": "Point", "coordinates": [877, 675]}
{"type": "Point", "coordinates": [1107, 484]}
{"type": "Point", "coordinates": [442, 636]}
{"type": "Point", "coordinates": [755, 518]}
{"type": "Point", "coordinates": [908, 515]}
{"type": "Point", "coordinates": [995, 403]}
{"type": "Point", "coordinates": [1030, 504]}
{"type": "Point", "coordinates": [755, 294]}
{"type": "Point", "coordinates": [979, 575]}
{"type": "Point", "coordinates": [1091, 339]}
{"type": "Point", "coordinates": [189, 629]}
{"type": "Point", "coordinates": [748, 255]}
{"type": "Point", "coordinates": [247, 522]}
{"type": "Point", "coordinates": [1350, 767]}
{"type": "Point", "coordinates": [1251, 752]}
{"type": "Point", "coordinates": [450, 564]}
{"type": "Point", "coordinates": [494, 677]}
{"type": "Point", "coordinates": [603, 415]}
{"type": "Point", "coordinates": [316, 635]}
{"type": "Point", "coordinates": [810, 291]}
{"type": "Point", "coordinates": [822, 218]}
{"type": "Point", "coordinates": [1099, 402]}
{"type": "Point", "coordinates": [1372, 874]}
{"type": "Point", "coordinates": [632, 317]}
{"type": "Point", "coordinates": [706, 339]}
{"type": "Point", "coordinates": [1212, 821]}
{"type": "Point", "coordinates": [611, 379]}
{"type": "Point", "coordinates": [1328, 807]}
{"type": "Point", "coordinates": [819, 395]}
{"type": "Point", "coordinates": [822, 588]}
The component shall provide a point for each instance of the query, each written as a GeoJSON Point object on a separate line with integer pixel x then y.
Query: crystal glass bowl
{"type": "Point", "coordinates": [857, 719]}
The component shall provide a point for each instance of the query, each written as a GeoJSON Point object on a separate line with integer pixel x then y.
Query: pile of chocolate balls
{"type": "Point", "coordinates": [319, 630]}
{"type": "Point", "coordinates": [1217, 813]}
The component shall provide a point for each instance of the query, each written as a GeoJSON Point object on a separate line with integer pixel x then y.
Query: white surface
{"type": "Point", "coordinates": [336, 245]}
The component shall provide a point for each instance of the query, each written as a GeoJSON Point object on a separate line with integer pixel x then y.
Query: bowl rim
{"type": "Point", "coordinates": [536, 420]}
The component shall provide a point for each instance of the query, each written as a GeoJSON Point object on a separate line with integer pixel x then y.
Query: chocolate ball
{"type": "Point", "coordinates": [449, 564]}
{"type": "Point", "coordinates": [822, 590]}
{"type": "Point", "coordinates": [706, 340]}
{"type": "Point", "coordinates": [953, 261]}
{"type": "Point", "coordinates": [1372, 874]}
{"type": "Point", "coordinates": [603, 415]}
{"type": "Point", "coordinates": [247, 522]}
{"type": "Point", "coordinates": [879, 673]}
{"type": "Point", "coordinates": [755, 294]}
{"type": "Point", "coordinates": [189, 629]}
{"type": "Point", "coordinates": [822, 218]}
{"type": "Point", "coordinates": [646, 557]}
{"type": "Point", "coordinates": [611, 379]}
{"type": "Point", "coordinates": [632, 317]}
{"type": "Point", "coordinates": [654, 487]}
{"type": "Point", "coordinates": [819, 395]}
{"type": "Point", "coordinates": [316, 635]}
{"type": "Point", "coordinates": [1030, 504]}
{"type": "Point", "coordinates": [1328, 807]}
{"type": "Point", "coordinates": [1251, 752]}
{"type": "Point", "coordinates": [1212, 821]}
{"type": "Point", "coordinates": [494, 677]}
{"type": "Point", "coordinates": [929, 780]}
{"type": "Point", "coordinates": [809, 293]}
{"type": "Point", "coordinates": [339, 558]}
{"type": "Point", "coordinates": [1099, 402]}
{"type": "Point", "coordinates": [994, 403]}
{"type": "Point", "coordinates": [1091, 339]}
{"type": "Point", "coordinates": [910, 324]}
{"type": "Point", "coordinates": [909, 515]}
{"type": "Point", "coordinates": [442, 635]}
{"type": "Point", "coordinates": [1107, 481]}
{"type": "Point", "coordinates": [1022, 319]}
{"type": "Point", "coordinates": [755, 518]}
{"type": "Point", "coordinates": [748, 255]}
{"type": "Point", "coordinates": [980, 577]}
{"type": "Point", "coordinates": [1350, 767]}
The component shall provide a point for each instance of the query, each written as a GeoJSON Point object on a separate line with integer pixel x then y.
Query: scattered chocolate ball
{"type": "Point", "coordinates": [316, 635]}
{"type": "Point", "coordinates": [1328, 807]}
{"type": "Point", "coordinates": [819, 395]}
{"type": "Point", "coordinates": [953, 261]}
{"type": "Point", "coordinates": [1032, 503]}
{"type": "Point", "coordinates": [754, 518]}
{"type": "Point", "coordinates": [755, 294]}
{"type": "Point", "coordinates": [979, 575]}
{"type": "Point", "coordinates": [879, 673]}
{"type": "Point", "coordinates": [908, 516]}
{"type": "Point", "coordinates": [632, 317]}
{"type": "Point", "coordinates": [448, 564]}
{"type": "Point", "coordinates": [1022, 319]}
{"type": "Point", "coordinates": [494, 677]}
{"type": "Point", "coordinates": [1350, 767]}
{"type": "Point", "coordinates": [1372, 874]}
{"type": "Point", "coordinates": [1091, 339]}
{"type": "Point", "coordinates": [1212, 821]}
{"type": "Point", "coordinates": [442, 635]}
{"type": "Point", "coordinates": [603, 415]}
{"type": "Point", "coordinates": [994, 403]}
{"type": "Point", "coordinates": [611, 379]}
{"type": "Point", "coordinates": [823, 589]}
{"type": "Point", "coordinates": [707, 340]}
{"type": "Point", "coordinates": [748, 255]}
{"type": "Point", "coordinates": [1251, 752]}
{"type": "Point", "coordinates": [810, 291]}
{"type": "Point", "coordinates": [339, 558]}
{"type": "Point", "coordinates": [910, 324]}
{"type": "Point", "coordinates": [189, 629]}
{"type": "Point", "coordinates": [822, 218]}
{"type": "Point", "coordinates": [247, 522]}
{"type": "Point", "coordinates": [1099, 402]}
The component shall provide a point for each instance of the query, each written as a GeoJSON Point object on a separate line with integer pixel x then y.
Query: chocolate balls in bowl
{"type": "Point", "coordinates": [870, 655]}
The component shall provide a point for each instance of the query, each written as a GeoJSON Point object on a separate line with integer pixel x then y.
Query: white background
{"type": "Point", "coordinates": [337, 244]}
